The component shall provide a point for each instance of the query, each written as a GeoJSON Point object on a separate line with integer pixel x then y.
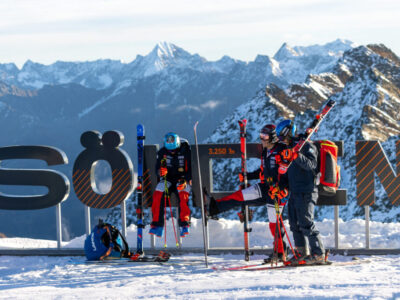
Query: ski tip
{"type": "Point", "coordinates": [140, 129]}
{"type": "Point", "coordinates": [195, 124]}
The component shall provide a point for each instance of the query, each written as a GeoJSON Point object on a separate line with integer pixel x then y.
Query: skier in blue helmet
{"type": "Point", "coordinates": [173, 169]}
{"type": "Point", "coordinates": [172, 141]}
{"type": "Point", "coordinates": [286, 130]}
{"type": "Point", "coordinates": [303, 195]}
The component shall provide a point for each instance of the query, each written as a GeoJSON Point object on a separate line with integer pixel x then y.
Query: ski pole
{"type": "Point", "coordinates": [280, 240]}
{"type": "Point", "coordinates": [276, 238]}
{"type": "Point", "coordinates": [290, 243]}
{"type": "Point", "coordinates": [166, 194]}
{"type": "Point", "coordinates": [165, 212]}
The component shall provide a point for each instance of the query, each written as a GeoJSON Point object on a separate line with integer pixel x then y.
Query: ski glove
{"type": "Point", "coordinates": [163, 171]}
{"type": "Point", "coordinates": [241, 177]}
{"type": "Point", "coordinates": [276, 192]}
{"type": "Point", "coordinates": [288, 155]}
{"type": "Point", "coordinates": [181, 185]}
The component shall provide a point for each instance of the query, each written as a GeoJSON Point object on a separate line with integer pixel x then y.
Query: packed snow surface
{"type": "Point", "coordinates": [188, 278]}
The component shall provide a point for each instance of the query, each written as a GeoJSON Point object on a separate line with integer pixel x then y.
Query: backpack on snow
{"type": "Point", "coordinates": [105, 241]}
{"type": "Point", "coordinates": [328, 171]}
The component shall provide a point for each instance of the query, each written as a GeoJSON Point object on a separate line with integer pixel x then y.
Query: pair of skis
{"type": "Point", "coordinates": [264, 267]}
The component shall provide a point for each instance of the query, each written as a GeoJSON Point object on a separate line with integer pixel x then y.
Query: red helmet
{"type": "Point", "coordinates": [268, 132]}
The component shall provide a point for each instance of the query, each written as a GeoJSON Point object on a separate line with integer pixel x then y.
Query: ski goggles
{"type": "Point", "coordinates": [170, 139]}
{"type": "Point", "coordinates": [264, 137]}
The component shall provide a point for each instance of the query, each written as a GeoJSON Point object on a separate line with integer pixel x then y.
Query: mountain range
{"type": "Point", "coordinates": [365, 84]}
{"type": "Point", "coordinates": [169, 89]}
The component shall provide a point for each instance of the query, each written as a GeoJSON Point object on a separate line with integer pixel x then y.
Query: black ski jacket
{"type": "Point", "coordinates": [302, 172]}
{"type": "Point", "coordinates": [269, 167]}
{"type": "Point", "coordinates": [177, 161]}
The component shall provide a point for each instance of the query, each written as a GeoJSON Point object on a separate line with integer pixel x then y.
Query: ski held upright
{"type": "Point", "coordinates": [139, 190]}
{"type": "Point", "coordinates": [203, 216]}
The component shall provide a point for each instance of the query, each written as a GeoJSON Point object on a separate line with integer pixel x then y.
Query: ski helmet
{"type": "Point", "coordinates": [268, 131]}
{"type": "Point", "coordinates": [172, 141]}
{"type": "Point", "coordinates": [286, 128]}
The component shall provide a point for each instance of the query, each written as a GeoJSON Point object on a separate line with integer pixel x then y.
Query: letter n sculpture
{"type": "Point", "coordinates": [371, 159]}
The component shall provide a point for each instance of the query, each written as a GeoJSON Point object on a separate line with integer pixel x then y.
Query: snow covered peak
{"type": "Point", "coordinates": [335, 48]}
{"type": "Point", "coordinates": [162, 56]}
{"type": "Point", "coordinates": [165, 50]}
{"type": "Point", "coordinates": [297, 62]}
{"type": "Point", "coordinates": [166, 53]}
{"type": "Point", "coordinates": [285, 52]}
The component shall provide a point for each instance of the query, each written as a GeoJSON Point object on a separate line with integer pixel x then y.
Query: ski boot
{"type": "Point", "coordinates": [156, 230]}
{"type": "Point", "coordinates": [211, 207]}
{"type": "Point", "coordinates": [242, 216]}
{"type": "Point", "coordinates": [271, 258]}
{"type": "Point", "coordinates": [298, 258]}
{"type": "Point", "coordinates": [316, 259]}
{"type": "Point", "coordinates": [185, 231]}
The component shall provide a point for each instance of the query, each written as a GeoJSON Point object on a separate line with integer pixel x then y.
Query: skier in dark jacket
{"type": "Point", "coordinates": [303, 194]}
{"type": "Point", "coordinates": [173, 169]}
{"type": "Point", "coordinates": [271, 186]}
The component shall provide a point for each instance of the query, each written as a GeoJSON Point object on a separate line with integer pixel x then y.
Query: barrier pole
{"type": "Point", "coordinates": [123, 218]}
{"type": "Point", "coordinates": [58, 225]}
{"type": "Point", "coordinates": [87, 220]}
{"type": "Point", "coordinates": [336, 208]}
{"type": "Point", "coordinates": [367, 231]}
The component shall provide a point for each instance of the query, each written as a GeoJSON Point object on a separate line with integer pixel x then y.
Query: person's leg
{"type": "Point", "coordinates": [272, 227]}
{"type": "Point", "coordinates": [184, 210]}
{"type": "Point", "coordinates": [294, 209]}
{"type": "Point", "coordinates": [307, 225]}
{"type": "Point", "coordinates": [157, 209]}
{"type": "Point", "coordinates": [248, 196]}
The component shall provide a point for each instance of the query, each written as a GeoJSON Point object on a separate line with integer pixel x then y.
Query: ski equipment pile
{"type": "Point", "coordinates": [161, 257]}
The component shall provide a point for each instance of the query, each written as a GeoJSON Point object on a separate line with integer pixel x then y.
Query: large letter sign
{"type": "Point", "coordinates": [103, 148]}
{"type": "Point", "coordinates": [371, 159]}
{"type": "Point", "coordinates": [56, 182]}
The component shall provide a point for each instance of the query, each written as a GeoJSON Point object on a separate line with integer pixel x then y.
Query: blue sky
{"type": "Point", "coordinates": [78, 30]}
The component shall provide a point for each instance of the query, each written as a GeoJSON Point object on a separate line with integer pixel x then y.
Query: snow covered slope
{"type": "Point", "coordinates": [69, 277]}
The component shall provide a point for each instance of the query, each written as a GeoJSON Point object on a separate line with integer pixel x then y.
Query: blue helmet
{"type": "Point", "coordinates": [172, 141]}
{"type": "Point", "coordinates": [286, 128]}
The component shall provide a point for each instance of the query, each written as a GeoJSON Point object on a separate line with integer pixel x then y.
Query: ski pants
{"type": "Point", "coordinates": [161, 203]}
{"type": "Point", "coordinates": [256, 195]}
{"type": "Point", "coordinates": [301, 220]}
